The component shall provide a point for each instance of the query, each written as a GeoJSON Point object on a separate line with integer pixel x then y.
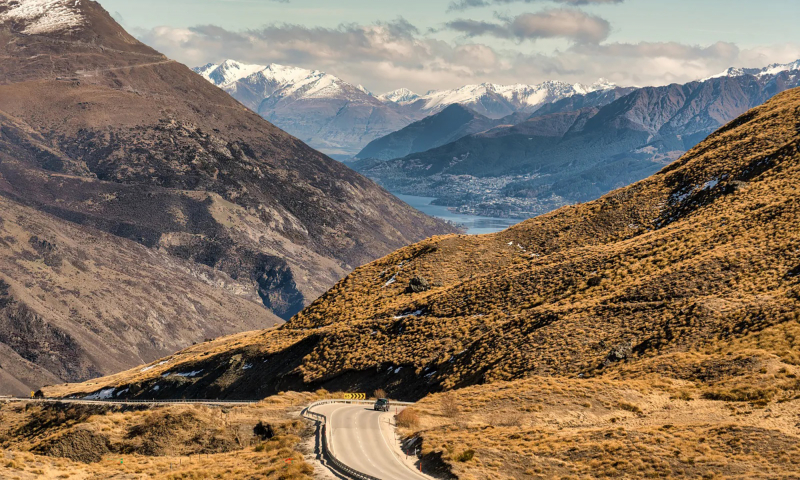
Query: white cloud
{"type": "Point", "coordinates": [385, 56]}
{"type": "Point", "coordinates": [465, 4]}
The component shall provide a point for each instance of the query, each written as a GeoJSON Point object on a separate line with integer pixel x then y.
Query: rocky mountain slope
{"type": "Point", "coordinates": [581, 147]}
{"type": "Point", "coordinates": [101, 132]}
{"type": "Point", "coordinates": [669, 276]}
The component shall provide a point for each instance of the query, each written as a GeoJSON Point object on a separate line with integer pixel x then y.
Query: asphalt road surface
{"type": "Point", "coordinates": [363, 439]}
{"type": "Point", "coordinates": [81, 401]}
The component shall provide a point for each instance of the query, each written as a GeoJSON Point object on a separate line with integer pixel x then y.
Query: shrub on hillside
{"type": "Point", "coordinates": [408, 418]}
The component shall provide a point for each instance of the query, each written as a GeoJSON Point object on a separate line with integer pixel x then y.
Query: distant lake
{"type": "Point", "coordinates": [475, 225]}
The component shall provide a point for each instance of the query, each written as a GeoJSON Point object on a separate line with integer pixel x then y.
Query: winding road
{"type": "Point", "coordinates": [364, 440]}
{"type": "Point", "coordinates": [83, 401]}
{"type": "Point", "coordinates": [360, 437]}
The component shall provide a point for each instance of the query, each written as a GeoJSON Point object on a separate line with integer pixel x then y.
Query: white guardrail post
{"type": "Point", "coordinates": [326, 442]}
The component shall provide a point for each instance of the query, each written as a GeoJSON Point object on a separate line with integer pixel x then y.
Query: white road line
{"type": "Point", "coordinates": [356, 444]}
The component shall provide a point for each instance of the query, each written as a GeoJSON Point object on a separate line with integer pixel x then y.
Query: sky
{"type": "Point", "coordinates": [437, 44]}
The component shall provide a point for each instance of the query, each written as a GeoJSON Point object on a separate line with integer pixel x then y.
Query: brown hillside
{"type": "Point", "coordinates": [77, 303]}
{"type": "Point", "coordinates": [702, 254]}
{"type": "Point", "coordinates": [103, 132]}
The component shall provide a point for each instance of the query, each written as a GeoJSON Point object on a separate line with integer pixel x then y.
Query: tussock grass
{"type": "Point", "coordinates": [168, 442]}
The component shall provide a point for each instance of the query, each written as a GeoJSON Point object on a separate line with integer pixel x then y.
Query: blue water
{"type": "Point", "coordinates": [475, 225]}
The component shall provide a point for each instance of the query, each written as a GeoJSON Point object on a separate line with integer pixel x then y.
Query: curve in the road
{"type": "Point", "coordinates": [81, 401]}
{"type": "Point", "coordinates": [362, 439]}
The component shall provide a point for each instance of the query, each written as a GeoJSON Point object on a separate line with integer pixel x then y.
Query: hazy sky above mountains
{"type": "Point", "coordinates": [434, 44]}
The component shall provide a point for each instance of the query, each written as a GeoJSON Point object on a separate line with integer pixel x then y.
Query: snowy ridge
{"type": "Point", "coordinates": [228, 72]}
{"type": "Point", "coordinates": [401, 96]}
{"type": "Point", "coordinates": [285, 80]}
{"type": "Point", "coordinates": [773, 69]}
{"type": "Point", "coordinates": [43, 16]}
{"type": "Point", "coordinates": [520, 94]}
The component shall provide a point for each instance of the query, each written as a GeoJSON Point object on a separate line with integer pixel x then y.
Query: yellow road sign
{"type": "Point", "coordinates": [355, 396]}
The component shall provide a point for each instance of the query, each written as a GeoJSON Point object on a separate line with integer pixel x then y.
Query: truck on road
{"type": "Point", "coordinates": [382, 405]}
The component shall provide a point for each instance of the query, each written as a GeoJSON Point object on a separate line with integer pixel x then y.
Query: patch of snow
{"type": "Point", "coordinates": [524, 95]}
{"type": "Point", "coordinates": [391, 280]}
{"type": "Point", "coordinates": [147, 368]}
{"type": "Point", "coordinates": [412, 314]}
{"type": "Point", "coordinates": [156, 388]}
{"type": "Point", "coordinates": [103, 394]}
{"type": "Point", "coordinates": [43, 16]}
{"type": "Point", "coordinates": [710, 184]}
{"type": "Point", "coordinates": [680, 197]}
{"type": "Point", "coordinates": [165, 375]}
{"type": "Point", "coordinates": [401, 96]}
{"type": "Point", "coordinates": [190, 374]}
{"type": "Point", "coordinates": [397, 370]}
{"type": "Point", "coordinates": [770, 70]}
{"type": "Point", "coordinates": [777, 68]}
{"type": "Point", "coordinates": [229, 72]}
{"type": "Point", "coordinates": [247, 366]}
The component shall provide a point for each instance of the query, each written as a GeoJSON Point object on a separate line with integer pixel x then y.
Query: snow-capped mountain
{"type": "Point", "coordinates": [400, 96]}
{"type": "Point", "coordinates": [326, 112]}
{"type": "Point", "coordinates": [338, 117]}
{"type": "Point", "coordinates": [773, 69]}
{"type": "Point", "coordinates": [496, 101]}
{"type": "Point", "coordinates": [43, 16]}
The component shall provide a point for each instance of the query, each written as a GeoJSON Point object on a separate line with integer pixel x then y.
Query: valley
{"type": "Point", "coordinates": [472, 223]}
{"type": "Point", "coordinates": [506, 277]}
{"type": "Point", "coordinates": [570, 151]}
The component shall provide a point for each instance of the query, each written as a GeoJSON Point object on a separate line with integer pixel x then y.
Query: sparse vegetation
{"type": "Point", "coordinates": [408, 418]}
{"type": "Point", "coordinates": [682, 361]}
{"type": "Point", "coordinates": [181, 441]}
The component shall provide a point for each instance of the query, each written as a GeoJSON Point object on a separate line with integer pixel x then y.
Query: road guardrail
{"type": "Point", "coordinates": [128, 402]}
{"type": "Point", "coordinates": [326, 444]}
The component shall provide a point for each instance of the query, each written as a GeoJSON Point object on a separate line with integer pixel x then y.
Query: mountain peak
{"type": "Point", "coordinates": [773, 69]}
{"type": "Point", "coordinates": [401, 96]}
{"type": "Point", "coordinates": [228, 72]}
{"type": "Point", "coordinates": [36, 17]}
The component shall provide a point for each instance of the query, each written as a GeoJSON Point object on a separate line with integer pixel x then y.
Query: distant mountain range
{"type": "Point", "coordinates": [340, 118]}
{"type": "Point", "coordinates": [571, 150]}
{"type": "Point", "coordinates": [492, 100]}
{"type": "Point", "coordinates": [452, 123]}
{"type": "Point", "coordinates": [773, 69]}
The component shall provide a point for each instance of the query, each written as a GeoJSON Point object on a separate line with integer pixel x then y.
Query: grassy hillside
{"type": "Point", "coordinates": [703, 254]}
{"type": "Point", "coordinates": [168, 442]}
{"type": "Point", "coordinates": [653, 427]}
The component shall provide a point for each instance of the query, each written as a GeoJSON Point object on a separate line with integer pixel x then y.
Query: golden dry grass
{"type": "Point", "coordinates": [651, 333]}
{"type": "Point", "coordinates": [556, 428]}
{"type": "Point", "coordinates": [170, 442]}
{"type": "Point", "coordinates": [704, 250]}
